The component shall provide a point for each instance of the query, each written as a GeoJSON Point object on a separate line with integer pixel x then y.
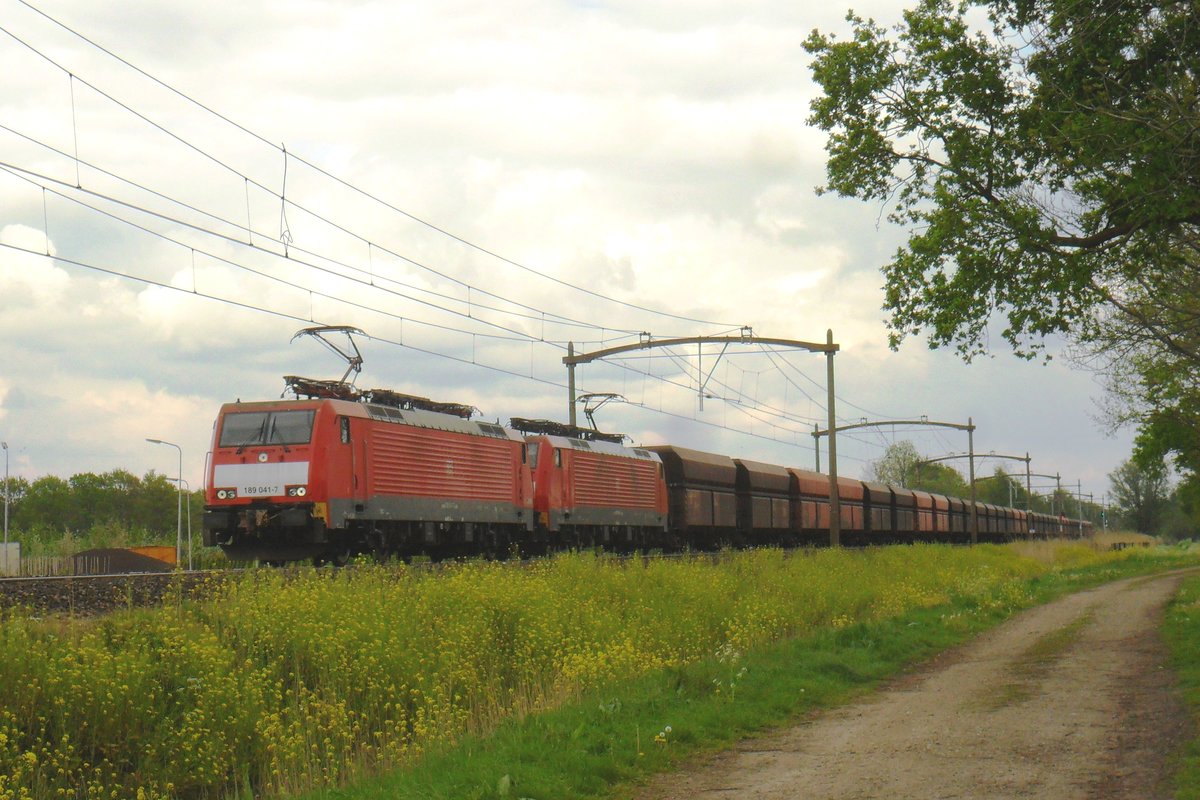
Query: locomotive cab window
{"type": "Point", "coordinates": [267, 427]}
{"type": "Point", "coordinates": [345, 423]}
{"type": "Point", "coordinates": [557, 457]}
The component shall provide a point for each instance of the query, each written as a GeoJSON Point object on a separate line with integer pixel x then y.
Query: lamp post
{"type": "Point", "coordinates": [6, 492]}
{"type": "Point", "coordinates": [178, 503]}
{"type": "Point", "coordinates": [189, 519]}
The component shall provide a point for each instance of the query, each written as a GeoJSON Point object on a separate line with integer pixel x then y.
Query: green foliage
{"type": "Point", "coordinates": [1183, 514]}
{"type": "Point", "coordinates": [1181, 630]}
{"type": "Point", "coordinates": [902, 465]}
{"type": "Point", "coordinates": [1140, 495]}
{"type": "Point", "coordinates": [581, 749]}
{"type": "Point", "coordinates": [1168, 405]}
{"type": "Point", "coordinates": [111, 509]}
{"type": "Point", "coordinates": [288, 681]}
{"type": "Point", "coordinates": [1000, 489]}
{"type": "Point", "coordinates": [1049, 172]}
{"type": "Point", "coordinates": [897, 465]}
{"type": "Point", "coordinates": [1041, 165]}
{"type": "Point", "coordinates": [941, 479]}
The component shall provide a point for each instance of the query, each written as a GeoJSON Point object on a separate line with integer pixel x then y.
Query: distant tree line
{"type": "Point", "coordinates": [114, 508]}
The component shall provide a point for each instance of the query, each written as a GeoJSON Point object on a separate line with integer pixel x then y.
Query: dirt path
{"type": "Point", "coordinates": [1068, 700]}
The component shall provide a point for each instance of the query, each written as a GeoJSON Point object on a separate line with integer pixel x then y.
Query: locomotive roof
{"type": "Point", "coordinates": [608, 448]}
{"type": "Point", "coordinates": [420, 418]}
{"type": "Point", "coordinates": [417, 418]}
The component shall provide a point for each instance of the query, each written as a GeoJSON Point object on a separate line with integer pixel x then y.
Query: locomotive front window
{"type": "Point", "coordinates": [290, 427]}
{"type": "Point", "coordinates": [243, 428]}
{"type": "Point", "coordinates": [266, 427]}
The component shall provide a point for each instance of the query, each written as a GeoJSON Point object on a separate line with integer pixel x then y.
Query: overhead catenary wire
{"type": "Point", "coordinates": [286, 155]}
{"type": "Point", "coordinates": [521, 336]}
{"type": "Point", "coordinates": [249, 181]}
{"type": "Point", "coordinates": [311, 318]}
{"type": "Point", "coordinates": [26, 174]}
{"type": "Point", "coordinates": [518, 335]}
{"type": "Point", "coordinates": [383, 340]}
{"type": "Point", "coordinates": [540, 314]}
{"type": "Point", "coordinates": [17, 172]}
{"type": "Point", "coordinates": [341, 181]}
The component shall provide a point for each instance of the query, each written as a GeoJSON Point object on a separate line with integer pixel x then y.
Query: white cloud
{"type": "Point", "coordinates": [27, 278]}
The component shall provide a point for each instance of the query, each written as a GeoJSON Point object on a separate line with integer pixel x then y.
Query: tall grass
{"type": "Point", "coordinates": [1182, 633]}
{"type": "Point", "coordinates": [284, 682]}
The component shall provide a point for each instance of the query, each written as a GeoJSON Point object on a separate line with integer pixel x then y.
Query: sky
{"type": "Point", "coordinates": [472, 185]}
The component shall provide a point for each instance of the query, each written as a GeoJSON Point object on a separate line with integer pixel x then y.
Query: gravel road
{"type": "Point", "coordinates": [1067, 700]}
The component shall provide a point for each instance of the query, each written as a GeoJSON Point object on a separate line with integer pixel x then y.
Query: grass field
{"type": "Point", "coordinates": [1182, 632]}
{"type": "Point", "coordinates": [479, 679]}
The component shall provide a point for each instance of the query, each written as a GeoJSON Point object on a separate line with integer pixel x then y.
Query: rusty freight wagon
{"type": "Point", "coordinates": [702, 494]}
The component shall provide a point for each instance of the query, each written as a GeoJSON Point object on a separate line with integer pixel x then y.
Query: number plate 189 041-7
{"type": "Point", "coordinates": [261, 480]}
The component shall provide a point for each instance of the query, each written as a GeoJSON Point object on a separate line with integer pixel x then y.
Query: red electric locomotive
{"type": "Point", "coordinates": [594, 491]}
{"type": "Point", "coordinates": [324, 478]}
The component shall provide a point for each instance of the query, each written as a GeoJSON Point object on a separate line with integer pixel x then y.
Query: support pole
{"type": "Point", "coordinates": [571, 383]}
{"type": "Point", "coordinates": [835, 503]}
{"type": "Point", "coordinates": [1079, 503]}
{"type": "Point", "coordinates": [1028, 496]}
{"type": "Point", "coordinates": [817, 445]}
{"type": "Point", "coordinates": [971, 454]}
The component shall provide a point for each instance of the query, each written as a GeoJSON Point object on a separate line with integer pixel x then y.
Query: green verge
{"type": "Point", "coordinates": [1181, 629]}
{"type": "Point", "coordinates": [611, 740]}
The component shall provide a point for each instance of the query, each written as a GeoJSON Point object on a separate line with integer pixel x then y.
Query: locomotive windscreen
{"type": "Point", "coordinates": [266, 427]}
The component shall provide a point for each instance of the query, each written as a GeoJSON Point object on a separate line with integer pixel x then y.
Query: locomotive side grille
{"type": "Point", "coordinates": [419, 462]}
{"type": "Point", "coordinates": [611, 481]}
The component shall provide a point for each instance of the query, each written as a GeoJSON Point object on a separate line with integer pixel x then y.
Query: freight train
{"type": "Point", "coordinates": [336, 472]}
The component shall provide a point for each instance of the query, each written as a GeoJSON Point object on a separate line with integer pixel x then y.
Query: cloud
{"type": "Point", "coordinates": [26, 278]}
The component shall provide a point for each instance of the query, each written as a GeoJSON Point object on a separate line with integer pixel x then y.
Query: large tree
{"type": "Point", "coordinates": [1047, 165]}
{"type": "Point", "coordinates": [903, 465]}
{"type": "Point", "coordinates": [1140, 495]}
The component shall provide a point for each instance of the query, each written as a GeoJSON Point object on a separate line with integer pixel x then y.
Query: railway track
{"type": "Point", "coordinates": [88, 595]}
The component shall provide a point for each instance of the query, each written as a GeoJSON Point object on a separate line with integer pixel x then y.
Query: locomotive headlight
{"type": "Point", "coordinates": [226, 494]}
{"type": "Point", "coordinates": [301, 491]}
{"type": "Point", "coordinates": [296, 491]}
{"type": "Point", "coordinates": [220, 494]}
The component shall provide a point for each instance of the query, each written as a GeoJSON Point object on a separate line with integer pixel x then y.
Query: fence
{"type": "Point", "coordinates": [93, 562]}
{"type": "Point", "coordinates": [10, 558]}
